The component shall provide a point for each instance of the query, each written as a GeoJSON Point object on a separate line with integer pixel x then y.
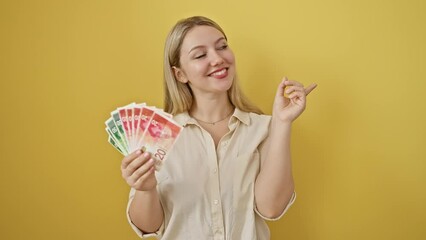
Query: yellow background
{"type": "Point", "coordinates": [359, 149]}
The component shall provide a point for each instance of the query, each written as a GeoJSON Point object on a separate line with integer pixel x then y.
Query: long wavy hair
{"type": "Point", "coordinates": [178, 96]}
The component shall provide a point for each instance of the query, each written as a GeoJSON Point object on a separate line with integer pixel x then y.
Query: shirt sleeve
{"type": "Point", "coordinates": [262, 149]}
{"type": "Point", "coordinates": [292, 199]}
{"type": "Point", "coordinates": [141, 234]}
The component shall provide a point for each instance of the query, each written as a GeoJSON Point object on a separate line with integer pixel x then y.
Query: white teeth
{"type": "Point", "coordinates": [219, 73]}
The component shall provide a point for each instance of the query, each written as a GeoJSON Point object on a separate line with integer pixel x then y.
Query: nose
{"type": "Point", "coordinates": [216, 59]}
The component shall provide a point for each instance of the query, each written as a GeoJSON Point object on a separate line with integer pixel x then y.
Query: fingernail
{"type": "Point", "coordinates": [138, 152]}
{"type": "Point", "coordinates": [146, 154]}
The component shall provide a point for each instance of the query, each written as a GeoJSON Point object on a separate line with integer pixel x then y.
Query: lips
{"type": "Point", "coordinates": [219, 73]}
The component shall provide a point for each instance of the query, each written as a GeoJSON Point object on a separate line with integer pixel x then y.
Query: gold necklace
{"type": "Point", "coordinates": [213, 123]}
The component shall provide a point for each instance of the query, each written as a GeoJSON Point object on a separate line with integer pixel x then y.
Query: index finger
{"type": "Point", "coordinates": [129, 158]}
{"type": "Point", "coordinates": [310, 88]}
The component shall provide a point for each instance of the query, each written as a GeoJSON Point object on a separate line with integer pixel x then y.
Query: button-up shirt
{"type": "Point", "coordinates": [207, 193]}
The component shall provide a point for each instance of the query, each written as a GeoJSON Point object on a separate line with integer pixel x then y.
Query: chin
{"type": "Point", "coordinates": [225, 88]}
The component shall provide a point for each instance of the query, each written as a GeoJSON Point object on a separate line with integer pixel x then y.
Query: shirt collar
{"type": "Point", "coordinates": [244, 117]}
{"type": "Point", "coordinates": [184, 118]}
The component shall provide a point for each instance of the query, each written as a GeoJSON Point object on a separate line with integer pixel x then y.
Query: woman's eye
{"type": "Point", "coordinates": [200, 56]}
{"type": "Point", "coordinates": [224, 46]}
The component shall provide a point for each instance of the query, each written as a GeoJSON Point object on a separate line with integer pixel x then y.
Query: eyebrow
{"type": "Point", "coordinates": [200, 46]}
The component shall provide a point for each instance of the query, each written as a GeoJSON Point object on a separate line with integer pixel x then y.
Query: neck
{"type": "Point", "coordinates": [210, 110]}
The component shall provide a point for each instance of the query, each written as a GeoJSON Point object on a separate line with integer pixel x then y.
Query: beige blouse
{"type": "Point", "coordinates": [208, 193]}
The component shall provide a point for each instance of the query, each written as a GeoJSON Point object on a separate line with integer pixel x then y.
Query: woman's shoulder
{"type": "Point", "coordinates": [256, 118]}
{"type": "Point", "coordinates": [260, 119]}
{"type": "Point", "coordinates": [257, 115]}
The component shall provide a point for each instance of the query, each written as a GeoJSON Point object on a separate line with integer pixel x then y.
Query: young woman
{"type": "Point", "coordinates": [230, 169]}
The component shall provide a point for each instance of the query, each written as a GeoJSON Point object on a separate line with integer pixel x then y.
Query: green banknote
{"type": "Point", "coordinates": [114, 133]}
{"type": "Point", "coordinates": [114, 144]}
{"type": "Point", "coordinates": [119, 124]}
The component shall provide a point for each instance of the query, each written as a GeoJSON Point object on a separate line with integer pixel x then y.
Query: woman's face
{"type": "Point", "coordinates": [207, 63]}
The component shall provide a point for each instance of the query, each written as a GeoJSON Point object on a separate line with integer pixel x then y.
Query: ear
{"type": "Point", "coordinates": [179, 75]}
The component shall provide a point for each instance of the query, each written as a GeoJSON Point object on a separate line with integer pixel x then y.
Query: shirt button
{"type": "Point", "coordinates": [215, 202]}
{"type": "Point", "coordinates": [215, 170]}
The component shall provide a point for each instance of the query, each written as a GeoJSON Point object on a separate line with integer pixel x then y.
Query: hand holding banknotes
{"type": "Point", "coordinates": [138, 170]}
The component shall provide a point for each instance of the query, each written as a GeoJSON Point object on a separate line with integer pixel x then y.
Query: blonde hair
{"type": "Point", "coordinates": [178, 96]}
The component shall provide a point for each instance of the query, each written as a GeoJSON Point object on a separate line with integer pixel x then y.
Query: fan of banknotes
{"type": "Point", "coordinates": [138, 126]}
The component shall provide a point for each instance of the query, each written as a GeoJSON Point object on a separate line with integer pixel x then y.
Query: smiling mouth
{"type": "Point", "coordinates": [219, 73]}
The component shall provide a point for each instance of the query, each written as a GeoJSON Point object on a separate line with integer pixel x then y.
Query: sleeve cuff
{"type": "Point", "coordinates": [292, 199]}
{"type": "Point", "coordinates": [141, 234]}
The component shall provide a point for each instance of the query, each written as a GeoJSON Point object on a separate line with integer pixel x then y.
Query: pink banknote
{"type": "Point", "coordinates": [160, 136]}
